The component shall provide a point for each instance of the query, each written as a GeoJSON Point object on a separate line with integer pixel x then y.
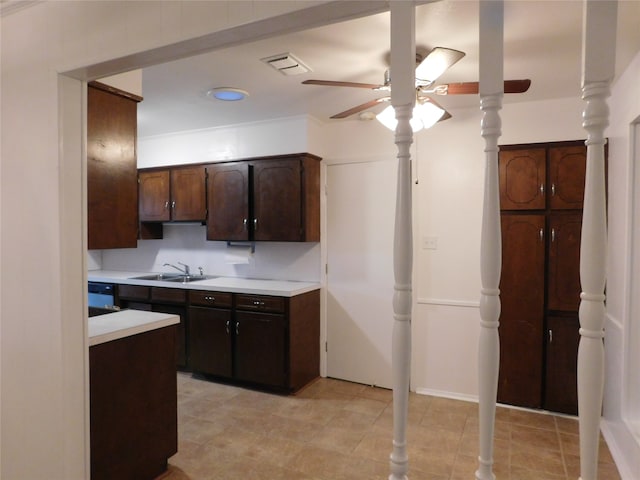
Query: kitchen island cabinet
{"type": "Point", "coordinates": [112, 190]}
{"type": "Point", "coordinates": [133, 395]}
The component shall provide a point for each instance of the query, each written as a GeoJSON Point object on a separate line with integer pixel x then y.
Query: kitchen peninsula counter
{"type": "Point", "coordinates": [113, 326]}
{"type": "Point", "coordinates": [282, 288]}
{"type": "Point", "coordinates": [133, 394]}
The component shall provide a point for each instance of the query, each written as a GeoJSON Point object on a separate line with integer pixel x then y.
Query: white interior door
{"type": "Point", "coordinates": [360, 221]}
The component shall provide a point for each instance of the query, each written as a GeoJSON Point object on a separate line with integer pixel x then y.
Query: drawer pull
{"type": "Point", "coordinates": [209, 298]}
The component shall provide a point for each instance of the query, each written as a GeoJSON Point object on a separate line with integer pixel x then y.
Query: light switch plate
{"type": "Point", "coordinates": [429, 243]}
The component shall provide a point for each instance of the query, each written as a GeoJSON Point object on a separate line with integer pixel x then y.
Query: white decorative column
{"type": "Point", "coordinates": [598, 66]}
{"type": "Point", "coordinates": [403, 98]}
{"type": "Point", "coordinates": [491, 93]}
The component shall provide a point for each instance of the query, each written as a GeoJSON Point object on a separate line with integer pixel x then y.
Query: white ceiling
{"type": "Point", "coordinates": [542, 42]}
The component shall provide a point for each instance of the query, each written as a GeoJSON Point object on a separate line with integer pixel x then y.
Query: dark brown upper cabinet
{"type": "Point", "coordinates": [567, 168]}
{"type": "Point", "coordinates": [228, 199]}
{"type": "Point", "coordinates": [175, 194]}
{"type": "Point", "coordinates": [112, 190]}
{"type": "Point", "coordinates": [266, 199]}
{"type": "Point", "coordinates": [522, 179]}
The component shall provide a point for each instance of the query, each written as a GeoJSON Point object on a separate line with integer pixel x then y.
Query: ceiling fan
{"type": "Point", "coordinates": [428, 69]}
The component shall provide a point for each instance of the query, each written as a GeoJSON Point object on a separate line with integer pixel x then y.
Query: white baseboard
{"type": "Point", "coordinates": [612, 434]}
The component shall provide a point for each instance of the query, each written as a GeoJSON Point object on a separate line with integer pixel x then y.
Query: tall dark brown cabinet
{"type": "Point", "coordinates": [112, 185]}
{"type": "Point", "coordinates": [541, 195]}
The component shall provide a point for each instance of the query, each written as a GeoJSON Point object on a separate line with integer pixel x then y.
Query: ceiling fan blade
{"type": "Point", "coordinates": [360, 108]}
{"type": "Point", "coordinates": [436, 63]}
{"type": "Point", "coordinates": [331, 83]}
{"type": "Point", "coordinates": [510, 86]}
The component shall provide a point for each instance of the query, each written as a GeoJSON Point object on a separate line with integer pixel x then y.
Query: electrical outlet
{"type": "Point", "coordinates": [429, 243]}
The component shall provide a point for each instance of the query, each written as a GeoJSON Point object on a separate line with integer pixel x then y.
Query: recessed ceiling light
{"type": "Point", "coordinates": [227, 94]}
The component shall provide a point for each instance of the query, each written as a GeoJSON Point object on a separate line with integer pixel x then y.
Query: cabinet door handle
{"type": "Point", "coordinates": [244, 224]}
{"type": "Point", "coordinates": [550, 336]}
{"type": "Point", "coordinates": [541, 234]}
{"type": "Point", "coordinates": [173, 204]}
{"type": "Point", "coordinates": [553, 234]}
{"type": "Point", "coordinates": [237, 328]}
{"type": "Point", "coordinates": [227, 326]}
{"type": "Point", "coordinates": [542, 189]}
{"type": "Point", "coordinates": [255, 224]}
{"type": "Point", "coordinates": [166, 205]}
{"type": "Point", "coordinates": [553, 189]}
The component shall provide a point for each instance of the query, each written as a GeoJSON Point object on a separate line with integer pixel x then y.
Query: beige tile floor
{"type": "Point", "coordinates": [334, 430]}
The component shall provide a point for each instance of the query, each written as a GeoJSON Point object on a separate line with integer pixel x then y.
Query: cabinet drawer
{"type": "Point", "coordinates": [210, 299]}
{"type": "Point", "coordinates": [260, 303]}
{"type": "Point", "coordinates": [133, 292]}
{"type": "Point", "coordinates": [173, 295]}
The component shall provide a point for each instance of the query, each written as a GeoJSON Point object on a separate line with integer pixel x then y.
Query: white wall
{"type": "Point", "coordinates": [449, 169]}
{"type": "Point", "coordinates": [43, 407]}
{"type": "Point", "coordinates": [622, 350]}
{"type": "Point", "coordinates": [274, 137]}
{"type": "Point", "coordinates": [188, 244]}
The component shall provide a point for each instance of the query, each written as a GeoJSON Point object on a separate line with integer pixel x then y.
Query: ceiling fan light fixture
{"type": "Point", "coordinates": [227, 94]}
{"type": "Point", "coordinates": [425, 115]}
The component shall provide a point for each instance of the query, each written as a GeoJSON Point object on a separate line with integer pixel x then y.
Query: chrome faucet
{"type": "Point", "coordinates": [185, 270]}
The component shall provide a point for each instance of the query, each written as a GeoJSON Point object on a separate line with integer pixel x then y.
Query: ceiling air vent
{"type": "Point", "coordinates": [286, 64]}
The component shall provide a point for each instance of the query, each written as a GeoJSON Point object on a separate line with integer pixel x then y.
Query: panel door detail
{"type": "Point", "coordinates": [210, 344]}
{"type": "Point", "coordinates": [228, 201]}
{"type": "Point", "coordinates": [277, 200]}
{"type": "Point", "coordinates": [563, 286]}
{"type": "Point", "coordinates": [260, 348]}
{"type": "Point", "coordinates": [522, 316]}
{"type": "Point", "coordinates": [567, 168]}
{"type": "Point", "coordinates": [522, 179]}
{"type": "Point", "coordinates": [561, 392]}
{"type": "Point", "coordinates": [155, 196]}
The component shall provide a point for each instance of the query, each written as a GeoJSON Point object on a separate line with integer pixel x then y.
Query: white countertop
{"type": "Point", "coordinates": [282, 288]}
{"type": "Point", "coordinates": [113, 326]}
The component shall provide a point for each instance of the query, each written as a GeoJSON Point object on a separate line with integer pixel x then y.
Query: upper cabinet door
{"type": "Point", "coordinates": [155, 196]}
{"type": "Point", "coordinates": [112, 190]}
{"type": "Point", "coordinates": [277, 200]}
{"type": "Point", "coordinates": [522, 179]}
{"type": "Point", "coordinates": [567, 166]}
{"type": "Point", "coordinates": [188, 196]}
{"type": "Point", "coordinates": [228, 201]}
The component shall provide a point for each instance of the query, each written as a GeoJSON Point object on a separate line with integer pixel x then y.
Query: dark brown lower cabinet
{"type": "Point", "coordinates": [561, 390]}
{"type": "Point", "coordinates": [263, 340]}
{"type": "Point", "coordinates": [260, 348]}
{"type": "Point", "coordinates": [210, 341]}
{"type": "Point", "coordinates": [133, 391]}
{"type": "Point", "coordinates": [163, 300]}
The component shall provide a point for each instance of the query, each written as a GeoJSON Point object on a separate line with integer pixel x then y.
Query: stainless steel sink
{"type": "Point", "coordinates": [189, 278]}
{"type": "Point", "coordinates": [157, 276]}
{"type": "Point", "coordinates": [173, 277]}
